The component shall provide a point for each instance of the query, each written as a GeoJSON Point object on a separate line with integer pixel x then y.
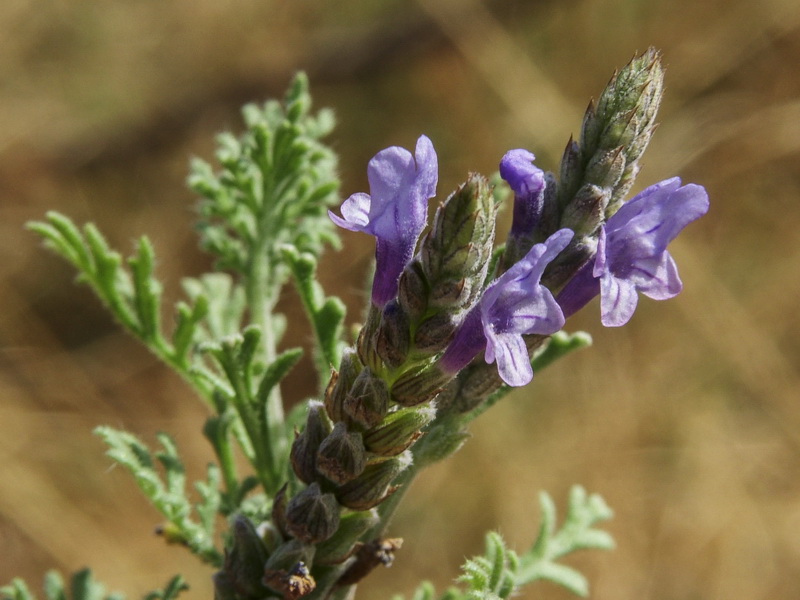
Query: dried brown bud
{"type": "Point", "coordinates": [369, 556]}
{"type": "Point", "coordinates": [286, 571]}
{"type": "Point", "coordinates": [293, 584]}
{"type": "Point", "coordinates": [342, 456]}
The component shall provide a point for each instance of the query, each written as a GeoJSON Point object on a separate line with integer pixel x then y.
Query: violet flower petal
{"type": "Point", "coordinates": [527, 181]}
{"type": "Point", "coordinates": [395, 211]}
{"type": "Point", "coordinates": [632, 251]}
{"type": "Point", "coordinates": [632, 254]}
{"type": "Point", "coordinates": [516, 304]}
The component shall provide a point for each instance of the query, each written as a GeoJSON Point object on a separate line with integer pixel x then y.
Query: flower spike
{"type": "Point", "coordinates": [395, 210]}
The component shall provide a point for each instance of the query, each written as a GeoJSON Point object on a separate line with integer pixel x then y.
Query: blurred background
{"type": "Point", "coordinates": [687, 420]}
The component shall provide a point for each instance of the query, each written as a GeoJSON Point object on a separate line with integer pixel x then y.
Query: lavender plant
{"type": "Point", "coordinates": [455, 321]}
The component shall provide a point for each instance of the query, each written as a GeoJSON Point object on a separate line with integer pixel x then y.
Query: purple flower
{"type": "Point", "coordinates": [395, 210]}
{"type": "Point", "coordinates": [527, 181]}
{"type": "Point", "coordinates": [514, 305]}
{"type": "Point", "coordinates": [632, 252]}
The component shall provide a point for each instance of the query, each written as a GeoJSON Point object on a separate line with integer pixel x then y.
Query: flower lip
{"type": "Point", "coordinates": [515, 304]}
{"type": "Point", "coordinates": [395, 210]}
{"type": "Point", "coordinates": [632, 254]}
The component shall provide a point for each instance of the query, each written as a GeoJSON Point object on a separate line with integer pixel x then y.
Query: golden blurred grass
{"type": "Point", "coordinates": [687, 420]}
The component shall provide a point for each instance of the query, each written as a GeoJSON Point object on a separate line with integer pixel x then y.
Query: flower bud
{"type": "Point", "coordinates": [368, 338]}
{"type": "Point", "coordinates": [451, 292]}
{"type": "Point", "coordinates": [373, 486]}
{"type": "Point", "coordinates": [584, 214]}
{"type": "Point", "coordinates": [368, 399]}
{"type": "Point", "coordinates": [606, 168]}
{"type": "Point", "coordinates": [341, 455]}
{"type": "Point", "coordinates": [614, 134]}
{"type": "Point", "coordinates": [278, 513]}
{"type": "Point", "coordinates": [434, 334]}
{"type": "Point", "coordinates": [398, 431]}
{"type": "Point", "coordinates": [460, 241]}
{"type": "Point", "coordinates": [289, 554]}
{"type": "Point", "coordinates": [340, 385]}
{"type": "Point", "coordinates": [393, 338]}
{"type": "Point", "coordinates": [244, 563]}
{"type": "Point", "coordinates": [419, 385]}
{"type": "Point", "coordinates": [413, 290]}
{"type": "Point", "coordinates": [312, 516]}
{"type": "Point", "coordinates": [306, 445]}
{"type": "Point", "coordinates": [340, 547]}
{"type": "Point", "coordinates": [446, 277]}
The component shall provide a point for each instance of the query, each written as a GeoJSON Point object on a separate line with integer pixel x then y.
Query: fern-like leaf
{"type": "Point", "coordinates": [168, 493]}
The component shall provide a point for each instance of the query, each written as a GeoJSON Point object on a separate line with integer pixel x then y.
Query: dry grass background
{"type": "Point", "coordinates": [687, 420]}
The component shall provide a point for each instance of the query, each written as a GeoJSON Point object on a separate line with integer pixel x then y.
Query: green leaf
{"type": "Point", "coordinates": [54, 586]}
{"type": "Point", "coordinates": [172, 590]}
{"type": "Point", "coordinates": [83, 586]}
{"type": "Point", "coordinates": [16, 590]}
{"type": "Point", "coordinates": [147, 291]}
{"type": "Point", "coordinates": [326, 315]}
{"type": "Point", "coordinates": [168, 493]}
{"type": "Point", "coordinates": [577, 533]}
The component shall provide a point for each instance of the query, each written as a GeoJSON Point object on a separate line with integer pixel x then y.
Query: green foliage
{"type": "Point", "coordinates": [133, 295]}
{"type": "Point", "coordinates": [326, 315]}
{"type": "Point", "coordinates": [264, 217]}
{"type": "Point", "coordinates": [275, 185]}
{"type": "Point", "coordinates": [576, 533]}
{"type": "Point", "coordinates": [168, 492]}
{"type": "Point", "coordinates": [82, 586]}
{"type": "Point", "coordinates": [247, 390]}
{"type": "Point", "coordinates": [500, 573]}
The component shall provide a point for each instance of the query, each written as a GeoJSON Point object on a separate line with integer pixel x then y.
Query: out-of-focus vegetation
{"type": "Point", "coordinates": [687, 420]}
